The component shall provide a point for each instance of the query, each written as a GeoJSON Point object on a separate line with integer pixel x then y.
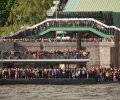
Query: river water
{"type": "Point", "coordinates": [60, 92]}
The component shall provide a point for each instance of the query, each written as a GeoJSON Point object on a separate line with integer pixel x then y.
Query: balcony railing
{"type": "Point", "coordinates": [44, 55]}
{"type": "Point", "coordinates": [73, 22]}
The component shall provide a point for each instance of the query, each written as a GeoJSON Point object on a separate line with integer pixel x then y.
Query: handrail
{"type": "Point", "coordinates": [69, 19]}
{"type": "Point", "coordinates": [75, 19]}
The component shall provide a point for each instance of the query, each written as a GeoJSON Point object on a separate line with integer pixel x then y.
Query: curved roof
{"type": "Point", "coordinates": [92, 5]}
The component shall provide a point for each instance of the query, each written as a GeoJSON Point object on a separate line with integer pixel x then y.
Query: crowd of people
{"type": "Point", "coordinates": [65, 54]}
{"type": "Point", "coordinates": [97, 40]}
{"type": "Point", "coordinates": [100, 74]}
{"type": "Point", "coordinates": [65, 23]}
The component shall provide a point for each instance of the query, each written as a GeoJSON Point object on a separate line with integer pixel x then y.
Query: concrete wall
{"type": "Point", "coordinates": [6, 46]}
{"type": "Point", "coordinates": [105, 53]}
{"type": "Point", "coordinates": [47, 46]}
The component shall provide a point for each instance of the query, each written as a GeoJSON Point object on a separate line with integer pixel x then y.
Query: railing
{"type": "Point", "coordinates": [73, 22]}
{"type": "Point", "coordinates": [59, 40]}
{"type": "Point", "coordinates": [44, 55]}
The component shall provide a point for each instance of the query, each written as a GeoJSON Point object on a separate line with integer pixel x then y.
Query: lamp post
{"type": "Point", "coordinates": [56, 13]}
{"type": "Point", "coordinates": [1, 63]}
{"type": "Point", "coordinates": [0, 29]}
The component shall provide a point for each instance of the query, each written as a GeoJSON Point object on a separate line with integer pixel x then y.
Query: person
{"type": "Point", "coordinates": [56, 73]}
{"type": "Point", "coordinates": [0, 73]}
{"type": "Point", "coordinates": [16, 73]}
{"type": "Point", "coordinates": [107, 75]}
{"type": "Point", "coordinates": [9, 73]}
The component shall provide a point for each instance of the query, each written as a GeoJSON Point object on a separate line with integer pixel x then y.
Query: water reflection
{"type": "Point", "coordinates": [60, 92]}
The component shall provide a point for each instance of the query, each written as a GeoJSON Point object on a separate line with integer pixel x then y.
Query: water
{"type": "Point", "coordinates": [60, 92]}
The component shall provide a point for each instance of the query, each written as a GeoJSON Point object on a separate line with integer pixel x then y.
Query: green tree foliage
{"type": "Point", "coordinates": [5, 8]}
{"type": "Point", "coordinates": [17, 13]}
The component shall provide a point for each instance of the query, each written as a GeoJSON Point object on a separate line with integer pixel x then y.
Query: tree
{"type": "Point", "coordinates": [5, 8]}
{"type": "Point", "coordinates": [17, 13]}
{"type": "Point", "coordinates": [28, 12]}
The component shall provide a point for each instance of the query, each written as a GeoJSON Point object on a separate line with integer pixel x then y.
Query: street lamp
{"type": "Point", "coordinates": [56, 11]}
{"type": "Point", "coordinates": [0, 29]}
{"type": "Point", "coordinates": [56, 4]}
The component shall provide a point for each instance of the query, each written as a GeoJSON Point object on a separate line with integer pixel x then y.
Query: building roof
{"type": "Point", "coordinates": [92, 5]}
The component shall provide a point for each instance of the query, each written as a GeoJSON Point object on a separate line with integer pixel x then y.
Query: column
{"type": "Point", "coordinates": [116, 53]}
{"type": "Point", "coordinates": [78, 36]}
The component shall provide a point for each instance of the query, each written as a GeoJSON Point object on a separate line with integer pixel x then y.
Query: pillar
{"type": "Point", "coordinates": [116, 53]}
{"type": "Point", "coordinates": [78, 36]}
